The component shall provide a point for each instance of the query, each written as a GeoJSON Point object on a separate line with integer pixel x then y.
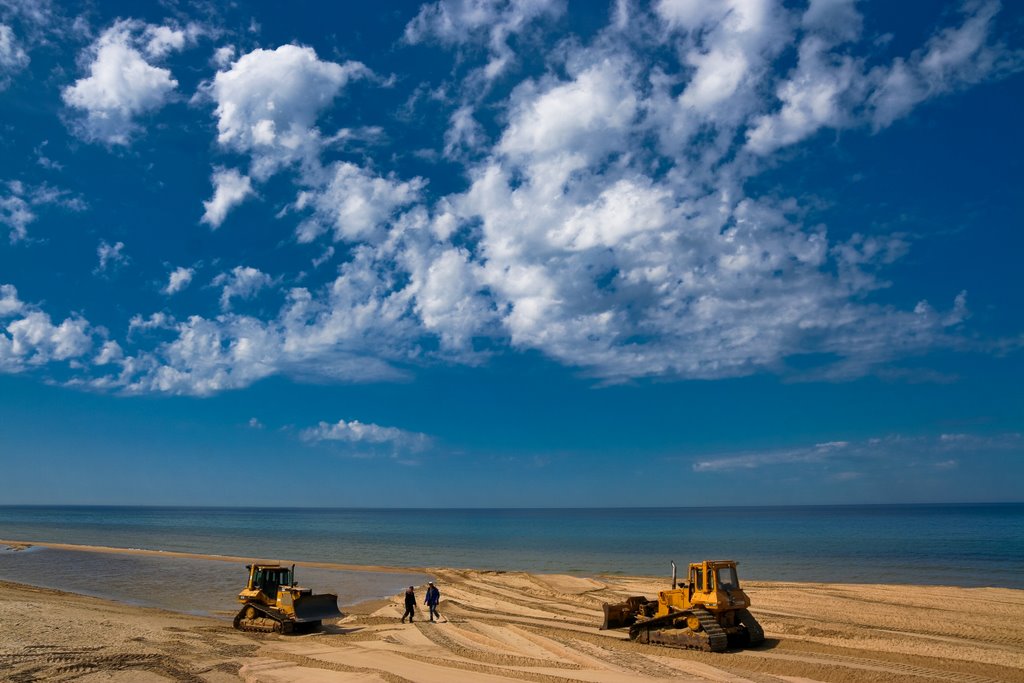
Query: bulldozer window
{"type": "Point", "coordinates": [698, 579]}
{"type": "Point", "coordinates": [727, 579]}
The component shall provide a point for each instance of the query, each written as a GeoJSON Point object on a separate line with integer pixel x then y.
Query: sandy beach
{"type": "Point", "coordinates": [515, 626]}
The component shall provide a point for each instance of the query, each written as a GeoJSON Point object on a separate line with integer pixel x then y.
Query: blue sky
{"type": "Point", "coordinates": [488, 253]}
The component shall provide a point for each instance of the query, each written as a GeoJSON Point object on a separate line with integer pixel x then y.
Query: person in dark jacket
{"type": "Point", "coordinates": [410, 605]}
{"type": "Point", "coordinates": [433, 597]}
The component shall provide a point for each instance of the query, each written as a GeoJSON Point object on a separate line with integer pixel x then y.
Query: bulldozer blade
{"type": "Point", "coordinates": [617, 615]}
{"type": "Point", "coordinates": [316, 607]}
{"type": "Point", "coordinates": [622, 614]}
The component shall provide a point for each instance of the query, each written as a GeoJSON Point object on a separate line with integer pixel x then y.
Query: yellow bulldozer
{"type": "Point", "coordinates": [273, 603]}
{"type": "Point", "coordinates": [707, 612]}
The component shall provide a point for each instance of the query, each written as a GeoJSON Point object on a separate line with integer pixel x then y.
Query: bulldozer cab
{"type": "Point", "coordinates": [268, 578]}
{"type": "Point", "coordinates": [711, 575]}
{"type": "Point", "coordinates": [716, 585]}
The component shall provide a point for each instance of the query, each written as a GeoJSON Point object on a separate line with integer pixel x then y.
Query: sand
{"type": "Point", "coordinates": [514, 626]}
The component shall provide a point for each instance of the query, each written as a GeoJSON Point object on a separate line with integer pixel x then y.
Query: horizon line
{"type": "Point", "coordinates": [468, 508]}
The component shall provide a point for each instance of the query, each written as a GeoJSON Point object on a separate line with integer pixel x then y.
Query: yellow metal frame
{"type": "Point", "coordinates": [703, 589]}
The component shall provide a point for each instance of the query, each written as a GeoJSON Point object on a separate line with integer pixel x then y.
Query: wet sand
{"type": "Point", "coordinates": [14, 545]}
{"type": "Point", "coordinates": [514, 626]}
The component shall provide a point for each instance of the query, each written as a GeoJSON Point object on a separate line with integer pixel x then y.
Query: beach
{"type": "Point", "coordinates": [524, 626]}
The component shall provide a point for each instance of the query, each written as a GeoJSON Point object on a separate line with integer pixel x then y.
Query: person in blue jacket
{"type": "Point", "coordinates": [433, 597]}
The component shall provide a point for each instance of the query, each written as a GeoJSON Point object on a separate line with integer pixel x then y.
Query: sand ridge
{"type": "Point", "coordinates": [513, 626]}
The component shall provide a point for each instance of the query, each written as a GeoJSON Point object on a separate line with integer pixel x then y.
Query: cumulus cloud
{"type": "Point", "coordinates": [359, 433]}
{"type": "Point", "coordinates": [15, 213]}
{"type": "Point", "coordinates": [812, 98]}
{"type": "Point", "coordinates": [243, 282]}
{"type": "Point", "coordinates": [156, 321]}
{"type": "Point", "coordinates": [110, 352]}
{"type": "Point", "coordinates": [832, 90]}
{"type": "Point", "coordinates": [159, 41]}
{"type": "Point", "coordinates": [231, 188]}
{"type": "Point", "coordinates": [179, 279]}
{"type": "Point", "coordinates": [30, 337]}
{"type": "Point", "coordinates": [205, 357]}
{"type": "Point", "coordinates": [223, 56]}
{"type": "Point", "coordinates": [13, 57]}
{"type": "Point", "coordinates": [110, 255]}
{"type": "Point", "coordinates": [9, 302]}
{"type": "Point", "coordinates": [607, 219]}
{"type": "Point", "coordinates": [354, 203]}
{"type": "Point", "coordinates": [122, 84]}
{"type": "Point", "coordinates": [269, 100]}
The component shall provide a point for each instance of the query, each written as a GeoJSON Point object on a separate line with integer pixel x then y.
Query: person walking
{"type": "Point", "coordinates": [410, 605]}
{"type": "Point", "coordinates": [433, 597]}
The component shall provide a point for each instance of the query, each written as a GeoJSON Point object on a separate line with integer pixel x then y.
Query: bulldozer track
{"type": "Point", "coordinates": [666, 631]}
{"type": "Point", "coordinates": [319, 664]}
{"type": "Point", "coordinates": [455, 647]}
{"type": "Point", "coordinates": [60, 665]}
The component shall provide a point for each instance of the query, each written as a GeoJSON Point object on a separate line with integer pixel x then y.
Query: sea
{"type": "Point", "coordinates": [957, 545]}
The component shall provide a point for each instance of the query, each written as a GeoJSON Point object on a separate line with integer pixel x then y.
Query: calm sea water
{"type": "Point", "coordinates": [180, 584]}
{"type": "Point", "coordinates": [964, 545]}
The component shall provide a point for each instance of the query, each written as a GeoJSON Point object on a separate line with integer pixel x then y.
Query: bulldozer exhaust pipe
{"type": "Point", "coordinates": [673, 574]}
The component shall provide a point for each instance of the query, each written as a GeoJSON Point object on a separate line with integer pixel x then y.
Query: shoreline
{"type": "Point", "coordinates": [15, 545]}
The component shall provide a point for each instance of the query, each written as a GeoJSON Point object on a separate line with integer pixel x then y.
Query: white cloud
{"type": "Point", "coordinates": [223, 56]}
{"type": "Point", "coordinates": [608, 221]}
{"type": "Point", "coordinates": [494, 22]}
{"type": "Point", "coordinates": [16, 214]}
{"type": "Point", "coordinates": [952, 59]}
{"type": "Point", "coordinates": [110, 255]}
{"type": "Point", "coordinates": [449, 299]}
{"type": "Point", "coordinates": [464, 133]}
{"type": "Point", "coordinates": [230, 189]}
{"type": "Point", "coordinates": [159, 41]}
{"type": "Point", "coordinates": [18, 203]}
{"type": "Point", "coordinates": [811, 99]}
{"type": "Point", "coordinates": [121, 84]}
{"type": "Point", "coordinates": [269, 100]}
{"type": "Point", "coordinates": [836, 18]}
{"type": "Point", "coordinates": [729, 44]}
{"type": "Point", "coordinates": [354, 203]}
{"type": "Point", "coordinates": [9, 302]}
{"type": "Point", "coordinates": [208, 356]}
{"type": "Point", "coordinates": [893, 449]}
{"type": "Point", "coordinates": [179, 279]}
{"type": "Point", "coordinates": [13, 57]}
{"type": "Point", "coordinates": [831, 90]}
{"type": "Point", "coordinates": [110, 352]}
{"type": "Point", "coordinates": [156, 321]}
{"type": "Point", "coordinates": [32, 339]}
{"type": "Point", "coordinates": [557, 127]}
{"type": "Point", "coordinates": [243, 282]}
{"type": "Point", "coordinates": [324, 257]}
{"type": "Point", "coordinates": [233, 351]}
{"type": "Point", "coordinates": [368, 434]}
{"type": "Point", "coordinates": [39, 340]}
